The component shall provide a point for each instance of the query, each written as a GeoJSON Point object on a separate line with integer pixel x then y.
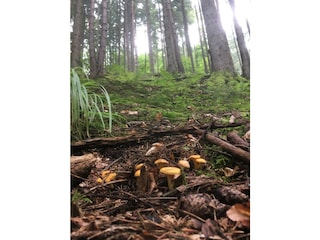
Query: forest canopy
{"type": "Point", "coordinates": [104, 35]}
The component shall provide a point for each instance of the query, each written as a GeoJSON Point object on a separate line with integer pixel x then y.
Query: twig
{"type": "Point", "coordinates": [115, 161]}
{"type": "Point", "coordinates": [192, 215]}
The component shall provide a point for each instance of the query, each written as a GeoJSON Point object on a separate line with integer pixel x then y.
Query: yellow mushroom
{"type": "Point", "coordinates": [160, 163]}
{"type": "Point", "coordinates": [138, 166]}
{"type": "Point", "coordinates": [171, 173]}
{"type": "Point", "coordinates": [195, 156]}
{"type": "Point", "coordinates": [184, 163]}
{"type": "Point", "coordinates": [110, 177]}
{"type": "Point", "coordinates": [137, 173]}
{"type": "Point", "coordinates": [105, 173]}
{"type": "Point", "coordinates": [199, 163]}
{"type": "Point", "coordinates": [99, 180]}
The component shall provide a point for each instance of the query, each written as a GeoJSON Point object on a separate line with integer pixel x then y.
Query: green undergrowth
{"type": "Point", "coordinates": [178, 98]}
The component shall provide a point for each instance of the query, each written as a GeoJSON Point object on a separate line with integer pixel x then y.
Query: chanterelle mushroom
{"type": "Point", "coordinates": [184, 163]}
{"type": "Point", "coordinates": [138, 166]}
{"type": "Point", "coordinates": [171, 173]}
{"type": "Point", "coordinates": [195, 156]}
{"type": "Point", "coordinates": [160, 163]}
{"type": "Point", "coordinates": [199, 163]}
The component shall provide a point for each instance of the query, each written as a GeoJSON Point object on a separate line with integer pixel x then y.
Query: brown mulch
{"type": "Point", "coordinates": [205, 204]}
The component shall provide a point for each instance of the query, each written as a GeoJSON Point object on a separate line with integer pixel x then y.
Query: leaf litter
{"type": "Point", "coordinates": [206, 203]}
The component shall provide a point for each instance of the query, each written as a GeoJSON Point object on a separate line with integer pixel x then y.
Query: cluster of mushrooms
{"type": "Point", "coordinates": [106, 176]}
{"type": "Point", "coordinates": [171, 172]}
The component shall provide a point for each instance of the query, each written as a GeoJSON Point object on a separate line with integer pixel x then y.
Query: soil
{"type": "Point", "coordinates": [206, 203]}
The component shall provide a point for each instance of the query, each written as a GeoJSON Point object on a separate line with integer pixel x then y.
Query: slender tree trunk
{"type": "Point", "coordinates": [248, 26]}
{"type": "Point", "coordinates": [92, 51]}
{"type": "Point", "coordinates": [173, 51]}
{"type": "Point", "coordinates": [151, 58]}
{"type": "Point", "coordinates": [204, 36]}
{"type": "Point", "coordinates": [201, 43]}
{"type": "Point", "coordinates": [186, 33]}
{"type": "Point", "coordinates": [129, 35]}
{"type": "Point", "coordinates": [133, 37]}
{"type": "Point", "coordinates": [217, 39]}
{"type": "Point", "coordinates": [163, 44]}
{"type": "Point", "coordinates": [245, 57]}
{"type": "Point", "coordinates": [103, 40]}
{"type": "Point", "coordinates": [77, 34]}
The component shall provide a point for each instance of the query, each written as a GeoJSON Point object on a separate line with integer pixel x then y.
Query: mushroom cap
{"type": "Point", "coordinates": [184, 163]}
{"type": "Point", "coordinates": [138, 166]}
{"type": "Point", "coordinates": [200, 160]}
{"type": "Point", "coordinates": [170, 171]}
{"type": "Point", "coordinates": [99, 180]}
{"type": "Point", "coordinates": [161, 160]}
{"type": "Point", "coordinates": [105, 173]}
{"type": "Point", "coordinates": [137, 173]}
{"type": "Point", "coordinates": [110, 177]}
{"type": "Point", "coordinates": [195, 156]}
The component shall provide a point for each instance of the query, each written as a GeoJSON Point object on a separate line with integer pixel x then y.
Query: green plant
{"type": "Point", "coordinates": [77, 198]}
{"type": "Point", "coordinates": [88, 107]}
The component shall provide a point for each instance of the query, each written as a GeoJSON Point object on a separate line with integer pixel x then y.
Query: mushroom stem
{"type": "Point", "coordinates": [170, 182]}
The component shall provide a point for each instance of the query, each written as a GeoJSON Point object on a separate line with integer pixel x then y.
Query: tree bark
{"type": "Point", "coordinates": [219, 50]}
{"type": "Point", "coordinates": [151, 58]}
{"type": "Point", "coordinates": [229, 148]}
{"type": "Point", "coordinates": [186, 33]}
{"type": "Point", "coordinates": [129, 34]}
{"type": "Point", "coordinates": [103, 40]}
{"type": "Point", "coordinates": [245, 57]}
{"type": "Point", "coordinates": [77, 33]}
{"type": "Point", "coordinates": [172, 48]}
{"type": "Point", "coordinates": [80, 167]}
{"type": "Point", "coordinates": [92, 50]}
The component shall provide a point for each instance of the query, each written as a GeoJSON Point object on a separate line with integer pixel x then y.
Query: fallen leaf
{"type": "Point", "coordinates": [240, 212]}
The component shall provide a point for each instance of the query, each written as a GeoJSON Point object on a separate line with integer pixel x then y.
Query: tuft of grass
{"type": "Point", "coordinates": [88, 99]}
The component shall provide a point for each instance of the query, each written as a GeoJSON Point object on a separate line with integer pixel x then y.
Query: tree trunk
{"type": "Point", "coordinates": [202, 45]}
{"type": "Point", "coordinates": [103, 40]}
{"type": "Point", "coordinates": [92, 51]}
{"type": "Point", "coordinates": [151, 59]}
{"type": "Point", "coordinates": [217, 39]}
{"type": "Point", "coordinates": [186, 33]}
{"type": "Point", "coordinates": [163, 44]}
{"type": "Point", "coordinates": [173, 52]}
{"type": "Point", "coordinates": [77, 34]}
{"type": "Point", "coordinates": [245, 58]}
{"type": "Point", "coordinates": [129, 35]}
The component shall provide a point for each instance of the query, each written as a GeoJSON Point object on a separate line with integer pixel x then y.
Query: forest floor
{"type": "Point", "coordinates": [211, 202]}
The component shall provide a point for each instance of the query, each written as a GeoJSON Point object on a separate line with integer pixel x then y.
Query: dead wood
{"type": "Point", "coordinates": [81, 167]}
{"type": "Point", "coordinates": [236, 140]}
{"type": "Point", "coordinates": [236, 152]}
{"type": "Point", "coordinates": [150, 134]}
{"type": "Point", "coordinates": [229, 148]}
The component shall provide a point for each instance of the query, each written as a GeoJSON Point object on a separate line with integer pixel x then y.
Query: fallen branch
{"type": "Point", "coordinates": [229, 148]}
{"type": "Point", "coordinates": [151, 134]}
